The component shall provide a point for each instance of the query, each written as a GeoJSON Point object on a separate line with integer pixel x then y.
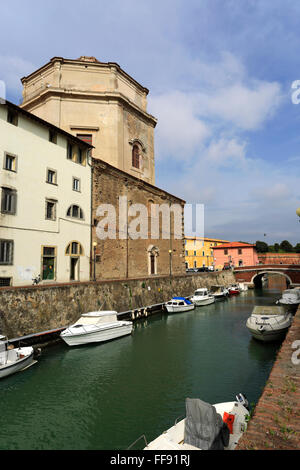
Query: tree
{"type": "Point", "coordinates": [261, 247]}
{"type": "Point", "coordinates": [297, 248]}
{"type": "Point", "coordinates": [286, 246]}
{"type": "Point", "coordinates": [276, 247]}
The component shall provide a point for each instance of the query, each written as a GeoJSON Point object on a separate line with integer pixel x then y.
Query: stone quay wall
{"type": "Point", "coordinates": [33, 309]}
{"type": "Point", "coordinates": [275, 424]}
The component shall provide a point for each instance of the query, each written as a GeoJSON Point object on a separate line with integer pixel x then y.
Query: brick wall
{"type": "Point", "coordinates": [279, 258]}
{"type": "Point", "coordinates": [119, 258]}
{"type": "Point", "coordinates": [276, 421]}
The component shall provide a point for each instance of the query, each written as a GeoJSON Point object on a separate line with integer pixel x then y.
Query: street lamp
{"type": "Point", "coordinates": [170, 253]}
{"type": "Point", "coordinates": [95, 246]}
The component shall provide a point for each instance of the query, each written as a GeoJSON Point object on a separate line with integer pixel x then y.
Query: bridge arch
{"type": "Point", "coordinates": [261, 273]}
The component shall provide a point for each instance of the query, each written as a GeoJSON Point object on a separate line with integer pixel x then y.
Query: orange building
{"type": "Point", "coordinates": [235, 254]}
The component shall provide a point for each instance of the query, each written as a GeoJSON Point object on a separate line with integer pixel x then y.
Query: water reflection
{"type": "Point", "coordinates": [104, 396]}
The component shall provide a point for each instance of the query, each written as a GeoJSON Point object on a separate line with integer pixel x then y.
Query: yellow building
{"type": "Point", "coordinates": [199, 251]}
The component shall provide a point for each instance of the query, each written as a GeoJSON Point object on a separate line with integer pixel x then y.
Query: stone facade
{"type": "Point", "coordinates": [126, 258]}
{"type": "Point", "coordinates": [29, 310]}
{"type": "Point", "coordinates": [100, 102]}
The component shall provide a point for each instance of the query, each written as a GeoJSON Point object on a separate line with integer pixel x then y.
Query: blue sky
{"type": "Point", "coordinates": [219, 74]}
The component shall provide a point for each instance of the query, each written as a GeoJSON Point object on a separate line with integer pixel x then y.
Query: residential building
{"type": "Point", "coordinates": [100, 103]}
{"type": "Point", "coordinates": [234, 254]}
{"type": "Point", "coordinates": [45, 216]}
{"type": "Point", "coordinates": [199, 251]}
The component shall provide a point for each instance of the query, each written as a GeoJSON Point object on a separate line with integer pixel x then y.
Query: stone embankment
{"type": "Point", "coordinates": [275, 424]}
{"type": "Point", "coordinates": [34, 309]}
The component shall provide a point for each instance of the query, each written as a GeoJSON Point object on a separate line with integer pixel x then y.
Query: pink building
{"type": "Point", "coordinates": [235, 254]}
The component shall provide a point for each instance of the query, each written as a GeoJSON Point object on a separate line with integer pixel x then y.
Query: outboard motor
{"type": "Point", "coordinates": [242, 399]}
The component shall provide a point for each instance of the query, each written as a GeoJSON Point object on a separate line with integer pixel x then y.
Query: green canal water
{"type": "Point", "coordinates": [105, 396]}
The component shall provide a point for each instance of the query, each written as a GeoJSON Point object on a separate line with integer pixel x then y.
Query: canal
{"type": "Point", "coordinates": [105, 396]}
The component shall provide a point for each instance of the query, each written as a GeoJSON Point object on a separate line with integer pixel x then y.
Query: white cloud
{"type": "Point", "coordinates": [179, 132]}
{"type": "Point", "coordinates": [247, 107]}
{"type": "Point", "coordinates": [12, 70]}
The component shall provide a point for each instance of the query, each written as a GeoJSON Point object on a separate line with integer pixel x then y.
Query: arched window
{"type": "Point", "coordinates": [153, 253]}
{"type": "Point", "coordinates": [75, 211]}
{"type": "Point", "coordinates": [136, 156]}
{"type": "Point", "coordinates": [74, 249]}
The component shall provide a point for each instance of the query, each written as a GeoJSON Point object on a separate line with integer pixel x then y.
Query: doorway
{"type": "Point", "coordinates": [74, 269]}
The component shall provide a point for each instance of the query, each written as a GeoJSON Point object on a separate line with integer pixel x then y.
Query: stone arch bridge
{"type": "Point", "coordinates": [249, 273]}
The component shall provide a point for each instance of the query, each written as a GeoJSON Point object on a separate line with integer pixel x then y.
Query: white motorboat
{"type": "Point", "coordinates": [202, 297]}
{"type": "Point", "coordinates": [219, 292]}
{"type": "Point", "coordinates": [290, 300]}
{"type": "Point", "coordinates": [14, 359]}
{"type": "Point", "coordinates": [206, 427]}
{"type": "Point", "coordinates": [96, 327]}
{"type": "Point", "coordinates": [179, 304]}
{"type": "Point", "coordinates": [269, 323]}
{"type": "Point", "coordinates": [242, 286]}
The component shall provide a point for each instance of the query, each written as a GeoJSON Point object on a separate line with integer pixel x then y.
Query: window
{"type": "Point", "coordinates": [12, 117]}
{"type": "Point", "coordinates": [52, 137]}
{"type": "Point", "coordinates": [76, 184]}
{"type": "Point", "coordinates": [48, 262]}
{"type": "Point", "coordinates": [75, 211]}
{"type": "Point", "coordinates": [240, 251]}
{"type": "Point", "coordinates": [195, 264]}
{"type": "Point", "coordinates": [50, 209]}
{"type": "Point", "coordinates": [5, 281]}
{"type": "Point", "coordinates": [203, 253]}
{"type": "Point", "coordinates": [195, 253]}
{"type": "Point", "coordinates": [6, 252]}
{"type": "Point", "coordinates": [240, 262]}
{"type": "Point", "coordinates": [135, 157]}
{"type": "Point", "coordinates": [74, 249]}
{"type": "Point", "coordinates": [186, 253]}
{"type": "Point", "coordinates": [10, 162]}
{"type": "Point", "coordinates": [51, 176]}
{"type": "Point", "coordinates": [70, 151]}
{"type": "Point", "coordinates": [76, 154]}
{"type": "Point", "coordinates": [9, 201]}
{"type": "Point", "coordinates": [225, 252]}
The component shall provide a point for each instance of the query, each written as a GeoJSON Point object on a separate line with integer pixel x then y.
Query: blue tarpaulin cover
{"type": "Point", "coordinates": [182, 298]}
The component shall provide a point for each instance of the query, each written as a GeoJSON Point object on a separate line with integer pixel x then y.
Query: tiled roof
{"type": "Point", "coordinates": [234, 245]}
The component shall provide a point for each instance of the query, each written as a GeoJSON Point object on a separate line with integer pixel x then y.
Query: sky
{"type": "Point", "coordinates": [220, 75]}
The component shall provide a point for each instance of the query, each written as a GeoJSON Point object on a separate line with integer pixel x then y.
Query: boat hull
{"type": "Point", "coordinates": [103, 335]}
{"type": "Point", "coordinates": [234, 292]}
{"type": "Point", "coordinates": [179, 308]}
{"type": "Point", "coordinates": [200, 303]}
{"type": "Point", "coordinates": [274, 330]}
{"type": "Point", "coordinates": [9, 369]}
{"type": "Point", "coordinates": [220, 296]}
{"type": "Point", "coordinates": [268, 336]}
{"type": "Point", "coordinates": [289, 307]}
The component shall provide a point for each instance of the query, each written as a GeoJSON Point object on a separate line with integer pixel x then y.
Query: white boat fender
{"type": "Point", "coordinates": [37, 352]}
{"type": "Point", "coordinates": [146, 312]}
{"type": "Point", "coordinates": [132, 316]}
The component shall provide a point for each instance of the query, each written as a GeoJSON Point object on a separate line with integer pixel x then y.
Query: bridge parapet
{"type": "Point", "coordinates": [248, 273]}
